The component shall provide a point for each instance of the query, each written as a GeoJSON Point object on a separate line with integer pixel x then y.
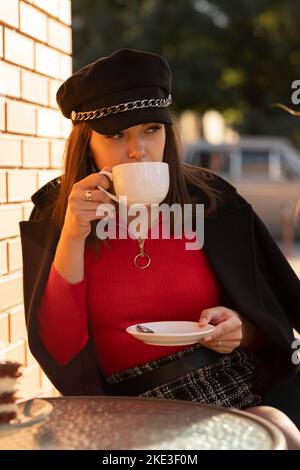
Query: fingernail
{"type": "Point", "coordinates": [207, 339]}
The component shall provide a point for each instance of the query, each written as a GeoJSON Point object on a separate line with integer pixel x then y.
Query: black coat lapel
{"type": "Point", "coordinates": [230, 247]}
{"type": "Point", "coordinates": [81, 376]}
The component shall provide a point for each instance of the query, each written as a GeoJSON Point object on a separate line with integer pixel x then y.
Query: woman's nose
{"type": "Point", "coordinates": [136, 149]}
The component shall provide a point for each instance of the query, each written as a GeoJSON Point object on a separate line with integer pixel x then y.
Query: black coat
{"type": "Point", "coordinates": [257, 282]}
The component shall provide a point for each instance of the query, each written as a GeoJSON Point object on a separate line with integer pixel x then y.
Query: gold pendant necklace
{"type": "Point", "coordinates": [142, 254]}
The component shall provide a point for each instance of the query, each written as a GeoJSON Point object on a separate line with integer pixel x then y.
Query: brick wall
{"type": "Point", "coordinates": [35, 57]}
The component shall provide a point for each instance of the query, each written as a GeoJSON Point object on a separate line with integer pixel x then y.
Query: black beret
{"type": "Point", "coordinates": [127, 88]}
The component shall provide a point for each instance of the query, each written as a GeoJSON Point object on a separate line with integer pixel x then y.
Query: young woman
{"type": "Point", "coordinates": [81, 294]}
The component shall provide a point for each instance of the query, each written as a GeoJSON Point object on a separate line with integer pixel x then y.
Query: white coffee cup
{"type": "Point", "coordinates": [141, 182]}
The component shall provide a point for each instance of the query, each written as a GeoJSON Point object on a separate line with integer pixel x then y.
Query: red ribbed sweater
{"type": "Point", "coordinates": [114, 294]}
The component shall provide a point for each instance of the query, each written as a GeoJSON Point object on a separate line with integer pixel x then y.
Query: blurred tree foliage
{"type": "Point", "coordinates": [236, 56]}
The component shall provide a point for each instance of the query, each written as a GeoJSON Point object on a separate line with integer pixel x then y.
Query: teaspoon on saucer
{"type": "Point", "coordinates": [143, 329]}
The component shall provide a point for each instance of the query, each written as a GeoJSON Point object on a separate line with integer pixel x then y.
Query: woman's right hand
{"type": "Point", "coordinates": [80, 212]}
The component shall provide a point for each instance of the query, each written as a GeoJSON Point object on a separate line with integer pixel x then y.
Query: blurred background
{"type": "Point", "coordinates": [235, 56]}
{"type": "Point", "coordinates": [231, 60]}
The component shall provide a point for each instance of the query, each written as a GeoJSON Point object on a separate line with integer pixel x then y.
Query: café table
{"type": "Point", "coordinates": [135, 423]}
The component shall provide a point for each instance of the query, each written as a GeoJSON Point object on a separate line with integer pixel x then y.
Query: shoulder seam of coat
{"type": "Point", "coordinates": [39, 197]}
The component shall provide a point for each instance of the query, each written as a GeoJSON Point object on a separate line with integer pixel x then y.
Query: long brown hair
{"type": "Point", "coordinates": [79, 163]}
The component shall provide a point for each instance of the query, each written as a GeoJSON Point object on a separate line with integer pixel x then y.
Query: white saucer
{"type": "Point", "coordinates": [171, 333]}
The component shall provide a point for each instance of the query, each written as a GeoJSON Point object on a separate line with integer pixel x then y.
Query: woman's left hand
{"type": "Point", "coordinates": [227, 335]}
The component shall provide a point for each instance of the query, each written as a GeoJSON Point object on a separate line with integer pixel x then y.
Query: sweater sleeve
{"type": "Point", "coordinates": [62, 316]}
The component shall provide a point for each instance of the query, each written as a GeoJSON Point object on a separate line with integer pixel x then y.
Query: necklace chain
{"type": "Point", "coordinates": [142, 255]}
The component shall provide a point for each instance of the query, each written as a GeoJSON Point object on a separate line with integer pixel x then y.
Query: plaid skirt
{"type": "Point", "coordinates": [228, 382]}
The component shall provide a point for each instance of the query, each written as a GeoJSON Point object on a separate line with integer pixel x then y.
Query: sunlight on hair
{"type": "Point", "coordinates": [286, 108]}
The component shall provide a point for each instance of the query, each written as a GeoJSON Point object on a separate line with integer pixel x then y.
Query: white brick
{"type": "Point", "coordinates": [27, 209]}
{"type": "Point", "coordinates": [14, 254]}
{"type": "Point", "coordinates": [47, 61]}
{"type": "Point", "coordinates": [17, 326]}
{"type": "Point", "coordinates": [1, 41]}
{"type": "Point", "coordinates": [3, 259]}
{"type": "Point", "coordinates": [46, 384]}
{"type": "Point", "coordinates": [21, 185]}
{"type": "Point", "coordinates": [55, 393]}
{"type": "Point", "coordinates": [36, 153]}
{"type": "Point", "coordinates": [53, 87]}
{"type": "Point", "coordinates": [59, 36]}
{"type": "Point", "coordinates": [21, 118]}
{"type": "Point", "coordinates": [57, 148]}
{"type": "Point", "coordinates": [3, 196]}
{"type": "Point", "coordinates": [9, 12]}
{"type": "Point", "coordinates": [34, 88]}
{"type": "Point", "coordinates": [10, 150]}
{"type": "Point", "coordinates": [65, 12]}
{"type": "Point", "coordinates": [10, 215]}
{"type": "Point", "coordinates": [65, 66]}
{"type": "Point", "coordinates": [19, 49]}
{"type": "Point", "coordinates": [45, 176]}
{"type": "Point", "coordinates": [10, 80]}
{"type": "Point", "coordinates": [48, 123]}
{"type": "Point", "coordinates": [30, 360]}
{"type": "Point", "coordinates": [4, 330]}
{"type": "Point", "coordinates": [50, 6]}
{"type": "Point", "coordinates": [49, 393]}
{"type": "Point", "coordinates": [66, 127]}
{"type": "Point", "coordinates": [2, 351]}
{"type": "Point", "coordinates": [2, 115]}
{"type": "Point", "coordinates": [15, 352]}
{"type": "Point", "coordinates": [29, 384]}
{"type": "Point", "coordinates": [11, 290]}
{"type": "Point", "coordinates": [33, 22]}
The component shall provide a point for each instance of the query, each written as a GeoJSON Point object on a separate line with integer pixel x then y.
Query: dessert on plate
{"type": "Point", "coordinates": [9, 374]}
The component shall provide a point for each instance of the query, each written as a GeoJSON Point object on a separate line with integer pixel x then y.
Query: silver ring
{"type": "Point", "coordinates": [88, 195]}
{"type": "Point", "coordinates": [140, 266]}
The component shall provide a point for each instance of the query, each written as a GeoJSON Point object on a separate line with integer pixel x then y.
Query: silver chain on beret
{"type": "Point", "coordinates": [120, 108]}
